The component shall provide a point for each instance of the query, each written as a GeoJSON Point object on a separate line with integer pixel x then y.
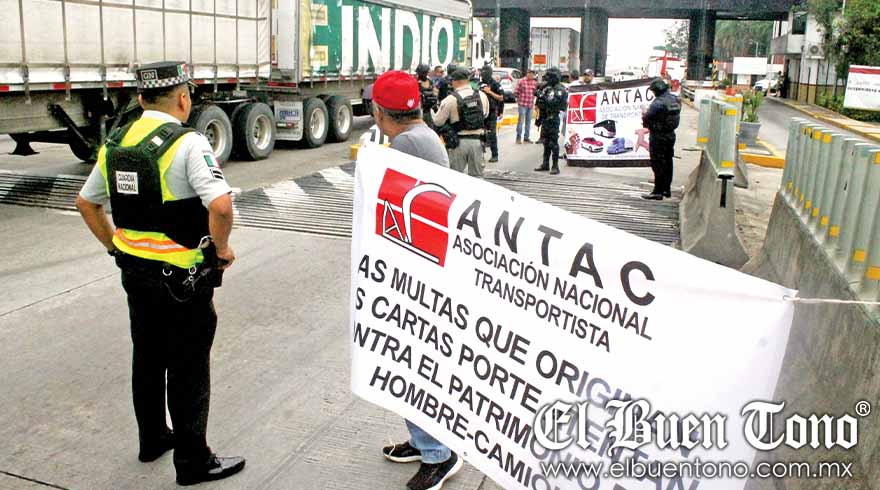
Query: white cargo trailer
{"type": "Point", "coordinates": [557, 47]}
{"type": "Point", "coordinates": [265, 69]}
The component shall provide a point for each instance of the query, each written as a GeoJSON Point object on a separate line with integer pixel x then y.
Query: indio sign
{"type": "Point", "coordinates": [350, 36]}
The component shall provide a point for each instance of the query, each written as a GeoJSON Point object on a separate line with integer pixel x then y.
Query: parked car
{"type": "Point", "coordinates": [623, 76]}
{"type": "Point", "coordinates": [766, 85]}
{"type": "Point", "coordinates": [508, 77]}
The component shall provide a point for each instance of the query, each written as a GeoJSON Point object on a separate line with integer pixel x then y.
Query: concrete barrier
{"type": "Point", "coordinates": [833, 356]}
{"type": "Point", "coordinates": [708, 217]}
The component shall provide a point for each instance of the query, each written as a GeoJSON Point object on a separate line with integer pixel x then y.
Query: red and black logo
{"type": "Point", "coordinates": [414, 215]}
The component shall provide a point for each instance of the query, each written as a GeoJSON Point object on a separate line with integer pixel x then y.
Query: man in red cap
{"type": "Point", "coordinates": [398, 113]}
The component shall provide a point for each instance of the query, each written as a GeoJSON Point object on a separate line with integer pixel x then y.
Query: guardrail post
{"type": "Point", "coordinates": [803, 152]}
{"type": "Point", "coordinates": [817, 189]}
{"type": "Point", "coordinates": [704, 122]}
{"type": "Point", "coordinates": [854, 194]}
{"type": "Point", "coordinates": [829, 186]}
{"type": "Point", "coordinates": [869, 156]}
{"type": "Point", "coordinates": [841, 192]}
{"type": "Point", "coordinates": [869, 288]}
{"type": "Point", "coordinates": [794, 132]}
{"type": "Point", "coordinates": [810, 177]}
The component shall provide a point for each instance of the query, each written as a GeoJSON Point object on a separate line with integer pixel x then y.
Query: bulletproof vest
{"type": "Point", "coordinates": [552, 99]}
{"type": "Point", "coordinates": [668, 119]}
{"type": "Point", "coordinates": [429, 100]}
{"type": "Point", "coordinates": [134, 181]}
{"type": "Point", "coordinates": [470, 112]}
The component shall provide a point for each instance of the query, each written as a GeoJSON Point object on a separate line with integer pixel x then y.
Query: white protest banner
{"type": "Point", "coordinates": [604, 125]}
{"type": "Point", "coordinates": [863, 88]}
{"type": "Point", "coordinates": [474, 307]}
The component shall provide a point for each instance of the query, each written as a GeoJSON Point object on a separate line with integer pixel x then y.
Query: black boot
{"type": "Point", "coordinates": [555, 169]}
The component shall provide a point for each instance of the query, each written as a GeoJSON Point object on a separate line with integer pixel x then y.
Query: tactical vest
{"type": "Point", "coordinates": [429, 100]}
{"type": "Point", "coordinates": [151, 222]}
{"type": "Point", "coordinates": [470, 112]}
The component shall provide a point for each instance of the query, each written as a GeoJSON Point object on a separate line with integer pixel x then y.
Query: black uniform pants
{"type": "Point", "coordinates": [492, 134]}
{"type": "Point", "coordinates": [662, 148]}
{"type": "Point", "coordinates": [550, 140]}
{"type": "Point", "coordinates": [174, 339]}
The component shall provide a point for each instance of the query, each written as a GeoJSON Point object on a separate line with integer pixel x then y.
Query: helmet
{"type": "Point", "coordinates": [553, 76]}
{"type": "Point", "coordinates": [659, 87]}
{"type": "Point", "coordinates": [422, 71]}
{"type": "Point", "coordinates": [486, 73]}
{"type": "Point", "coordinates": [450, 68]}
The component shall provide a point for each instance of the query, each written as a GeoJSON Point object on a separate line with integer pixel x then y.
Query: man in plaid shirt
{"type": "Point", "coordinates": [525, 99]}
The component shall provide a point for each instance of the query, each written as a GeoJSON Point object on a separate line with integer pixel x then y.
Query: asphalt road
{"type": "Point", "coordinates": [289, 160]}
{"type": "Point", "coordinates": [775, 117]}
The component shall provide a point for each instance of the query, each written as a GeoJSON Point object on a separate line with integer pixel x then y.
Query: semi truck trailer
{"type": "Point", "coordinates": [557, 47]}
{"type": "Point", "coordinates": [265, 70]}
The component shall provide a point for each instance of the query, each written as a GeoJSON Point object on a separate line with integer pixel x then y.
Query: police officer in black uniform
{"type": "Point", "coordinates": [552, 99]}
{"type": "Point", "coordinates": [661, 119]}
{"type": "Point", "coordinates": [495, 94]}
{"type": "Point", "coordinates": [172, 215]}
{"type": "Point", "coordinates": [444, 85]}
{"type": "Point", "coordinates": [427, 92]}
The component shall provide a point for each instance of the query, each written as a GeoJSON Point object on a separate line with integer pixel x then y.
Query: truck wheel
{"type": "Point", "coordinates": [253, 131]}
{"type": "Point", "coordinates": [317, 122]}
{"type": "Point", "coordinates": [212, 122]}
{"type": "Point", "coordinates": [341, 118]}
{"type": "Point", "coordinates": [83, 151]}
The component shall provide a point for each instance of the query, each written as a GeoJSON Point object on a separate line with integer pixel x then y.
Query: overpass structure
{"type": "Point", "coordinates": [702, 14]}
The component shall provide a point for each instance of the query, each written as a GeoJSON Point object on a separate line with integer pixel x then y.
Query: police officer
{"type": "Point", "coordinates": [551, 101]}
{"type": "Point", "coordinates": [661, 119]}
{"type": "Point", "coordinates": [427, 93]}
{"type": "Point", "coordinates": [444, 85]}
{"type": "Point", "coordinates": [495, 94]}
{"type": "Point", "coordinates": [461, 120]}
{"type": "Point", "coordinates": [173, 215]}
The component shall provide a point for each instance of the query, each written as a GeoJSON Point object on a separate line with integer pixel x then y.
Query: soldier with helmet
{"type": "Point", "coordinates": [552, 99]}
{"type": "Point", "coordinates": [427, 93]}
{"type": "Point", "coordinates": [172, 216]}
{"type": "Point", "coordinates": [661, 119]}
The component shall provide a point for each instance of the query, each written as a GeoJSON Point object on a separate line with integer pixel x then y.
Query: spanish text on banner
{"type": "Point", "coordinates": [521, 335]}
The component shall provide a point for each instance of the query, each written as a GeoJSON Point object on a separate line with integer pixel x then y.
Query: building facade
{"type": "Point", "coordinates": [797, 43]}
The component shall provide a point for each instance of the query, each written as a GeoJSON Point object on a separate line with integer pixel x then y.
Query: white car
{"type": "Point", "coordinates": [766, 85]}
{"type": "Point", "coordinates": [508, 78]}
{"type": "Point", "coordinates": [623, 76]}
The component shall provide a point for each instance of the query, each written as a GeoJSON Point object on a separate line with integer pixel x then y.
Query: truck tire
{"type": "Point", "coordinates": [341, 118]}
{"type": "Point", "coordinates": [253, 126]}
{"type": "Point", "coordinates": [212, 122]}
{"type": "Point", "coordinates": [316, 123]}
{"type": "Point", "coordinates": [83, 151]}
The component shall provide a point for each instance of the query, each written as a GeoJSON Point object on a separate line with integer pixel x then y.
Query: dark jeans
{"type": "Point", "coordinates": [171, 338]}
{"type": "Point", "coordinates": [550, 139]}
{"type": "Point", "coordinates": [662, 148]}
{"type": "Point", "coordinates": [492, 134]}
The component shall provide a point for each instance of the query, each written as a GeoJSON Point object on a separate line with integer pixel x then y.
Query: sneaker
{"type": "Point", "coordinates": [493, 160]}
{"type": "Point", "coordinates": [653, 197]}
{"type": "Point", "coordinates": [542, 168]}
{"type": "Point", "coordinates": [402, 453]}
{"type": "Point", "coordinates": [518, 141]}
{"type": "Point", "coordinates": [432, 476]}
{"type": "Point", "coordinates": [527, 141]}
{"type": "Point", "coordinates": [554, 171]}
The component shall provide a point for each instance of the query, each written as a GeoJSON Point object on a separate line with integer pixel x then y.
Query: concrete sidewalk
{"type": "Point", "coordinates": [280, 387]}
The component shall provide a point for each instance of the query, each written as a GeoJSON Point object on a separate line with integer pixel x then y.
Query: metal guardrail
{"type": "Point", "coordinates": [716, 134]}
{"type": "Point", "coordinates": [833, 182]}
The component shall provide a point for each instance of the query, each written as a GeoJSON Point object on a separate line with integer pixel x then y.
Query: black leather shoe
{"type": "Point", "coordinates": [667, 194]}
{"type": "Point", "coordinates": [653, 197]}
{"type": "Point", "coordinates": [217, 468]}
{"type": "Point", "coordinates": [402, 453]}
{"type": "Point", "coordinates": [542, 168]}
{"type": "Point", "coordinates": [493, 160]}
{"type": "Point", "coordinates": [554, 171]}
{"type": "Point", "coordinates": [153, 451]}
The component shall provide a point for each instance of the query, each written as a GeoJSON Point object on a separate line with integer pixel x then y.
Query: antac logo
{"type": "Point", "coordinates": [414, 215]}
{"type": "Point", "coordinates": [582, 108]}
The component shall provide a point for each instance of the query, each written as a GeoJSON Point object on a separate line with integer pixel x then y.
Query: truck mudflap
{"type": "Point", "coordinates": [288, 120]}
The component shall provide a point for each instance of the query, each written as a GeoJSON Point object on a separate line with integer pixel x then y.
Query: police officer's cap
{"type": "Point", "coordinates": [162, 75]}
{"type": "Point", "coordinates": [460, 74]}
{"type": "Point", "coordinates": [659, 86]}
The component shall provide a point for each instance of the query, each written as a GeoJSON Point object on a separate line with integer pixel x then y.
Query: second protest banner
{"type": "Point", "coordinates": [604, 124]}
{"type": "Point", "coordinates": [480, 315]}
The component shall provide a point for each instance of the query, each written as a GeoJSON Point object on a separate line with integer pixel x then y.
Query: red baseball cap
{"type": "Point", "coordinates": [397, 91]}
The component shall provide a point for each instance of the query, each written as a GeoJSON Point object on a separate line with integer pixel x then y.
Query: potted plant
{"type": "Point", "coordinates": [751, 123]}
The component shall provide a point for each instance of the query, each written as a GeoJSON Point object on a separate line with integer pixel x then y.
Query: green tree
{"type": "Point", "coordinates": [858, 41]}
{"type": "Point", "coordinates": [677, 39]}
{"type": "Point", "coordinates": [742, 38]}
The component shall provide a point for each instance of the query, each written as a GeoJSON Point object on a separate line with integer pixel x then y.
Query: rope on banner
{"type": "Point", "coordinates": [816, 301]}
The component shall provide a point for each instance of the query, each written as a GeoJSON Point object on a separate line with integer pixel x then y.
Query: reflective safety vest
{"type": "Point", "coordinates": [151, 222]}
